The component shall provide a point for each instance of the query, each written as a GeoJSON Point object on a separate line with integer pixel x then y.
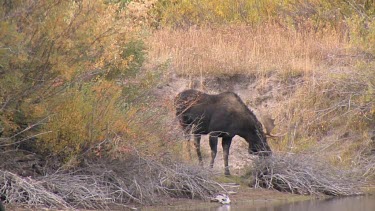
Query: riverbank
{"type": "Point", "coordinates": [243, 196]}
{"type": "Point", "coordinates": [249, 197]}
{"type": "Point", "coordinates": [246, 198]}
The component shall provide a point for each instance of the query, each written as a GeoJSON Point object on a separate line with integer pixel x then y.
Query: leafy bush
{"type": "Point", "coordinates": [62, 64]}
{"type": "Point", "coordinates": [135, 53]}
{"type": "Point", "coordinates": [314, 13]}
{"type": "Point", "coordinates": [362, 32]}
{"type": "Point", "coordinates": [82, 118]}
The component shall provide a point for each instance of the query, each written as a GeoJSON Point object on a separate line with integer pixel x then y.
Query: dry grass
{"type": "Point", "coordinates": [333, 111]}
{"type": "Point", "coordinates": [243, 49]}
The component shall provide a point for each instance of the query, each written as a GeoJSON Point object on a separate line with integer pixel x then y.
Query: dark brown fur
{"type": "Point", "coordinates": [223, 115]}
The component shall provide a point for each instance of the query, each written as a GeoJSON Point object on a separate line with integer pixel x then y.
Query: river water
{"type": "Point", "coordinates": [357, 203]}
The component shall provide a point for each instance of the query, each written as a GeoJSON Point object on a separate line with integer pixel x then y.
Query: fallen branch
{"type": "Point", "coordinates": [134, 181]}
{"type": "Point", "coordinates": [28, 191]}
{"type": "Point", "coordinates": [305, 174]}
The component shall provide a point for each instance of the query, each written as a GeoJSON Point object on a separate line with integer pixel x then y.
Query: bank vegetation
{"type": "Point", "coordinates": [78, 109]}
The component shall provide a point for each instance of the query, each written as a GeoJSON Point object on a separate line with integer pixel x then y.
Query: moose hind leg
{"type": "Point", "coordinates": [213, 146]}
{"type": "Point", "coordinates": [226, 142]}
{"type": "Point", "coordinates": [197, 141]}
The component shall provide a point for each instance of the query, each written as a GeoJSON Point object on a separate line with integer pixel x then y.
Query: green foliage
{"type": "Point", "coordinates": [356, 17]}
{"type": "Point", "coordinates": [60, 67]}
{"type": "Point", "coordinates": [311, 13]}
{"type": "Point", "coordinates": [81, 118]}
{"type": "Point", "coordinates": [119, 1]}
{"type": "Point", "coordinates": [135, 53]}
{"type": "Point", "coordinates": [77, 65]}
{"type": "Point", "coordinates": [362, 32]}
{"type": "Point", "coordinates": [208, 12]}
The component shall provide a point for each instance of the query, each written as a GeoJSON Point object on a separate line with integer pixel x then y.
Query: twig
{"type": "Point", "coordinates": [305, 174]}
{"type": "Point", "coordinates": [108, 182]}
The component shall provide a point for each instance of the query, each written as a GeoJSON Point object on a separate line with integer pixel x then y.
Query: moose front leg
{"type": "Point", "coordinates": [197, 141]}
{"type": "Point", "coordinates": [213, 146]}
{"type": "Point", "coordinates": [226, 145]}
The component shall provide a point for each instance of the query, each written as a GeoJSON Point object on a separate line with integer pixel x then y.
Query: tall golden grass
{"type": "Point", "coordinates": [242, 49]}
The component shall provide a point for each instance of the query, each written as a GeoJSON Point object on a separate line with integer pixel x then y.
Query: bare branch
{"type": "Point", "coordinates": [306, 174]}
{"type": "Point", "coordinates": [137, 180]}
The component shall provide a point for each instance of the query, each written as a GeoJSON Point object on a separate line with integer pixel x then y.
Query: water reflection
{"type": "Point", "coordinates": [359, 203]}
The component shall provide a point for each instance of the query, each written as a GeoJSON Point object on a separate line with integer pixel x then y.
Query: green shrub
{"type": "Point", "coordinates": [82, 118]}
{"type": "Point", "coordinates": [134, 52]}
{"type": "Point", "coordinates": [61, 67]}
{"type": "Point", "coordinates": [362, 32]}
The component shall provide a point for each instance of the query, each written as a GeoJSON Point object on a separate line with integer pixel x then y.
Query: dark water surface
{"type": "Point", "coordinates": [357, 203]}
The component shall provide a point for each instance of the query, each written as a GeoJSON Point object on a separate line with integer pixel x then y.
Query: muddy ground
{"type": "Point", "coordinates": [245, 197]}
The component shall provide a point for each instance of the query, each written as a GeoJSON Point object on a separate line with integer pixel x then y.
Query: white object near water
{"type": "Point", "coordinates": [221, 198]}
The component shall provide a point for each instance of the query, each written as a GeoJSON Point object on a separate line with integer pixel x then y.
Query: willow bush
{"type": "Point", "coordinates": [62, 67]}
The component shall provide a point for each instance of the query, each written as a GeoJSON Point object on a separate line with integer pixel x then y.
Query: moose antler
{"type": "Point", "coordinates": [268, 125]}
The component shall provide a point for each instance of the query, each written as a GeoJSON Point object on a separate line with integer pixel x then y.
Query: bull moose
{"type": "Point", "coordinates": [223, 115]}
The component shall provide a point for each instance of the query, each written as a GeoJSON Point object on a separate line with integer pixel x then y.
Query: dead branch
{"type": "Point", "coordinates": [28, 191]}
{"type": "Point", "coordinates": [305, 174]}
{"type": "Point", "coordinates": [102, 184]}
